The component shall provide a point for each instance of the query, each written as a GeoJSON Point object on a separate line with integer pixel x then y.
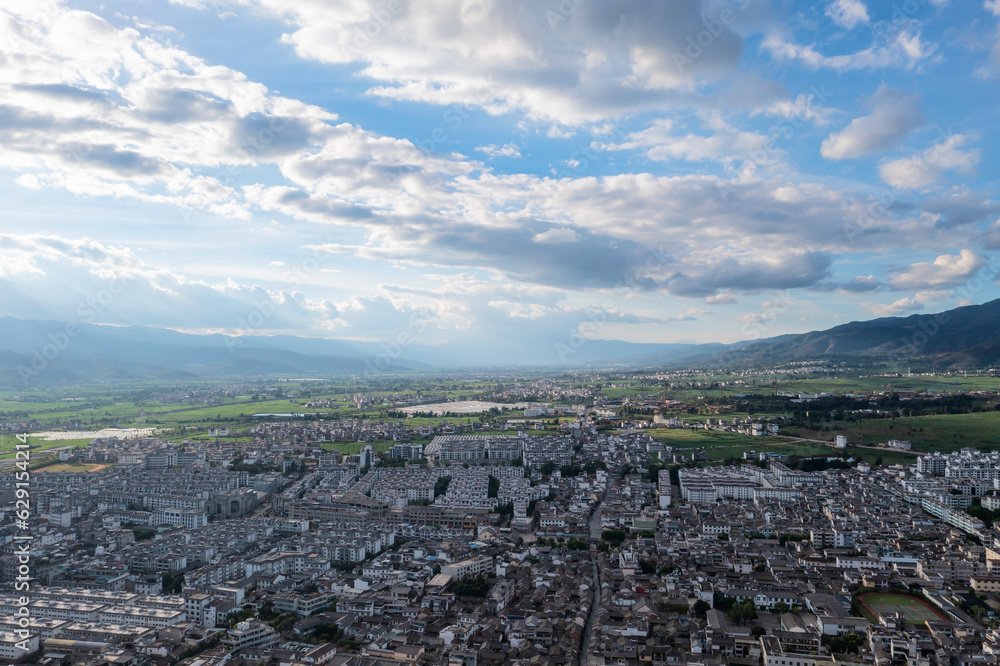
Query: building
{"type": "Point", "coordinates": [476, 566]}
{"type": "Point", "coordinates": [250, 633]}
{"type": "Point", "coordinates": [189, 518]}
{"type": "Point", "coordinates": [199, 608]}
{"type": "Point", "coordinates": [14, 648]}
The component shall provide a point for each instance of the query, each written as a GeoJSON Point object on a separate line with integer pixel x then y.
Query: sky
{"type": "Point", "coordinates": [503, 174]}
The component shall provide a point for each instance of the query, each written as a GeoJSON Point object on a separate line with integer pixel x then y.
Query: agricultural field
{"type": "Point", "coordinates": [939, 432]}
{"type": "Point", "coordinates": [722, 445]}
{"type": "Point", "coordinates": [38, 445]}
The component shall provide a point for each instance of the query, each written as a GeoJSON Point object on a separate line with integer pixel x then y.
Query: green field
{"type": "Point", "coordinates": [722, 445]}
{"type": "Point", "coordinates": [37, 445]}
{"type": "Point", "coordinates": [913, 609]}
{"type": "Point", "coordinates": [980, 430]}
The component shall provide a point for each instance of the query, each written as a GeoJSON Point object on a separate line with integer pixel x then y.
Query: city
{"type": "Point", "coordinates": [428, 540]}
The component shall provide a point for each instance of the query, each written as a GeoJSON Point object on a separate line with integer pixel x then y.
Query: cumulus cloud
{"type": "Point", "coordinates": [562, 235]}
{"type": "Point", "coordinates": [859, 284]}
{"type": "Point", "coordinates": [946, 271]}
{"type": "Point", "coordinates": [892, 49]}
{"type": "Point", "coordinates": [81, 280]}
{"type": "Point", "coordinates": [892, 116]}
{"type": "Point", "coordinates": [721, 298]}
{"type": "Point", "coordinates": [961, 208]}
{"type": "Point", "coordinates": [107, 111]}
{"type": "Point", "coordinates": [928, 167]}
{"type": "Point", "coordinates": [847, 13]}
{"type": "Point", "coordinates": [902, 306]}
{"type": "Point", "coordinates": [773, 271]}
{"type": "Point", "coordinates": [565, 63]}
{"type": "Point", "coordinates": [661, 143]}
{"type": "Point", "coordinates": [506, 150]}
{"type": "Point", "coordinates": [991, 68]}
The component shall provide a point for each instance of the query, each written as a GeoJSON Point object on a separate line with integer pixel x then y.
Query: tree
{"type": "Point", "coordinates": [701, 607]}
{"type": "Point", "coordinates": [743, 611]}
{"type": "Point", "coordinates": [781, 607]}
{"type": "Point", "coordinates": [613, 537]}
{"type": "Point", "coordinates": [472, 587]}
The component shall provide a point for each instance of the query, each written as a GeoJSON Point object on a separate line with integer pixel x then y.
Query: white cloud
{"type": "Point", "coordinates": [892, 116]}
{"type": "Point", "coordinates": [506, 150]}
{"type": "Point", "coordinates": [661, 143]}
{"type": "Point", "coordinates": [562, 235]}
{"type": "Point", "coordinates": [901, 306]}
{"type": "Point", "coordinates": [927, 167]}
{"type": "Point", "coordinates": [106, 111]}
{"type": "Point", "coordinates": [847, 13]}
{"type": "Point", "coordinates": [991, 69]}
{"type": "Point", "coordinates": [81, 280]}
{"type": "Point", "coordinates": [566, 64]}
{"type": "Point", "coordinates": [944, 272]}
{"type": "Point", "coordinates": [721, 298]}
{"type": "Point", "coordinates": [802, 107]}
{"type": "Point", "coordinates": [28, 181]}
{"type": "Point", "coordinates": [903, 49]}
{"type": "Point", "coordinates": [557, 132]}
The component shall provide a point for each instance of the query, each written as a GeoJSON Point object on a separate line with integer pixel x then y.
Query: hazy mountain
{"type": "Point", "coordinates": [966, 337]}
{"type": "Point", "coordinates": [50, 352]}
{"type": "Point", "coordinates": [55, 352]}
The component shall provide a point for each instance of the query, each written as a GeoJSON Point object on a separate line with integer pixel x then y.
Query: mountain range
{"type": "Point", "coordinates": [52, 352]}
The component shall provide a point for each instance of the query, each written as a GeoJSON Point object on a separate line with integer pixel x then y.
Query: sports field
{"type": "Point", "coordinates": [913, 609]}
{"type": "Point", "coordinates": [72, 467]}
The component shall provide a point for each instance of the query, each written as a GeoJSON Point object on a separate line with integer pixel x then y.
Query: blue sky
{"type": "Point", "coordinates": [640, 170]}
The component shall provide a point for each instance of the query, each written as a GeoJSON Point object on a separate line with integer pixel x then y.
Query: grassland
{"type": "Point", "coordinates": [38, 445]}
{"type": "Point", "coordinates": [951, 432]}
{"type": "Point", "coordinates": [721, 445]}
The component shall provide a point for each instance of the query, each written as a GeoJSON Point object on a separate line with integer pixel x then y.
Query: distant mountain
{"type": "Point", "coordinates": [966, 337]}
{"type": "Point", "coordinates": [52, 352]}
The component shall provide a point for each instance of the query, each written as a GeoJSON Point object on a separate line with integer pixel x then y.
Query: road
{"type": "Point", "coordinates": [595, 536]}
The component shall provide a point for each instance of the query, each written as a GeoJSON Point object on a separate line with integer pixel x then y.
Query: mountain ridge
{"type": "Point", "coordinates": [36, 351]}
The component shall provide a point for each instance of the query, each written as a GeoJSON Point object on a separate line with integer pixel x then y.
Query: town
{"type": "Point", "coordinates": [580, 545]}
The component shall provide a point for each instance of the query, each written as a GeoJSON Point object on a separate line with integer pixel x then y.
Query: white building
{"type": "Point", "coordinates": [13, 647]}
{"type": "Point", "coordinates": [189, 518]}
{"type": "Point", "coordinates": [249, 633]}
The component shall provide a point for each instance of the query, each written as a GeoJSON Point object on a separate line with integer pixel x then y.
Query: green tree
{"type": "Point", "coordinates": [472, 587]}
{"type": "Point", "coordinates": [701, 607]}
{"type": "Point", "coordinates": [743, 611]}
